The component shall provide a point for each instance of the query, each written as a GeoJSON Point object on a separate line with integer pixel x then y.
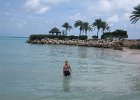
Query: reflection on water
{"type": "Point", "coordinates": [66, 83]}
{"type": "Point", "coordinates": [82, 52]}
{"type": "Point", "coordinates": [135, 82]}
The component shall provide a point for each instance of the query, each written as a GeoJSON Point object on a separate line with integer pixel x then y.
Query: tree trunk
{"type": "Point", "coordinates": [97, 32]}
{"type": "Point", "coordinates": [86, 32]}
{"type": "Point", "coordinates": [80, 31]}
{"type": "Point", "coordinates": [103, 31]}
{"type": "Point", "coordinates": [66, 31]}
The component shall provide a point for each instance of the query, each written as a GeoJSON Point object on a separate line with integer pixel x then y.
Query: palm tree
{"type": "Point", "coordinates": [67, 26]}
{"type": "Point", "coordinates": [135, 14]}
{"type": "Point", "coordinates": [79, 24]}
{"type": "Point", "coordinates": [86, 27]}
{"type": "Point", "coordinates": [104, 26]}
{"type": "Point", "coordinates": [97, 24]}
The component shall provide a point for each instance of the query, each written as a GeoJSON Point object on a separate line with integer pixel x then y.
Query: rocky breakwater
{"type": "Point", "coordinates": [132, 43]}
{"type": "Point", "coordinates": [117, 45]}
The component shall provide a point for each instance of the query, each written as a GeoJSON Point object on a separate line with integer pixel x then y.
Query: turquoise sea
{"type": "Point", "coordinates": [34, 72]}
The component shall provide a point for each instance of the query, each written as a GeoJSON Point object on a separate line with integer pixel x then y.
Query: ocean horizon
{"type": "Point", "coordinates": [34, 72]}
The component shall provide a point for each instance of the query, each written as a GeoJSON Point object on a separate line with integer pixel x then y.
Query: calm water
{"type": "Point", "coordinates": [34, 72]}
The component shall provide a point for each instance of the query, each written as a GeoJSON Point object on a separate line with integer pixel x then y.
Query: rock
{"type": "Point", "coordinates": [116, 45]}
{"type": "Point", "coordinates": [118, 48]}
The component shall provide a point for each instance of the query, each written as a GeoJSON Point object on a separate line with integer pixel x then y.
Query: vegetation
{"type": "Point", "coordinates": [67, 27]}
{"type": "Point", "coordinates": [60, 37]}
{"type": "Point", "coordinates": [97, 24]}
{"type": "Point", "coordinates": [86, 27]}
{"type": "Point", "coordinates": [83, 37]}
{"type": "Point", "coordinates": [118, 34]}
{"type": "Point", "coordinates": [94, 37]}
{"type": "Point", "coordinates": [104, 26]}
{"type": "Point", "coordinates": [71, 37]}
{"type": "Point", "coordinates": [108, 35]}
{"type": "Point", "coordinates": [79, 24]}
{"type": "Point", "coordinates": [135, 14]}
{"type": "Point", "coordinates": [37, 36]}
{"type": "Point", "coordinates": [83, 26]}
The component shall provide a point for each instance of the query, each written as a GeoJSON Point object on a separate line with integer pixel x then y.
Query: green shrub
{"type": "Point", "coordinates": [94, 37]}
{"type": "Point", "coordinates": [117, 34]}
{"type": "Point", "coordinates": [71, 37]}
{"type": "Point", "coordinates": [37, 36]}
{"type": "Point", "coordinates": [51, 36]}
{"type": "Point", "coordinates": [83, 37]}
{"type": "Point", "coordinates": [61, 37]}
{"type": "Point", "coordinates": [120, 34]}
{"type": "Point", "coordinates": [108, 35]}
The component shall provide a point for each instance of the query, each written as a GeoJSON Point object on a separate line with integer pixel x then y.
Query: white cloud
{"type": "Point", "coordinates": [77, 16]}
{"type": "Point", "coordinates": [41, 6]}
{"type": "Point", "coordinates": [19, 24]}
{"type": "Point", "coordinates": [11, 20]}
{"type": "Point", "coordinates": [126, 16]}
{"type": "Point", "coordinates": [107, 7]}
{"type": "Point", "coordinates": [101, 7]}
{"type": "Point", "coordinates": [46, 22]}
{"type": "Point", "coordinates": [7, 13]}
{"type": "Point", "coordinates": [126, 5]}
{"type": "Point", "coordinates": [43, 9]}
{"type": "Point", "coordinates": [36, 6]}
{"type": "Point", "coordinates": [24, 22]}
{"type": "Point", "coordinates": [115, 12]}
{"type": "Point", "coordinates": [113, 19]}
{"type": "Point", "coordinates": [8, 4]}
{"type": "Point", "coordinates": [54, 1]}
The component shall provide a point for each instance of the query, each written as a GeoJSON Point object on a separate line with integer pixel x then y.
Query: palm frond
{"type": "Point", "coordinates": [135, 14]}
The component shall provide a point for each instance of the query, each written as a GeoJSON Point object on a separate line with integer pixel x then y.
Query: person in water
{"type": "Point", "coordinates": [67, 69]}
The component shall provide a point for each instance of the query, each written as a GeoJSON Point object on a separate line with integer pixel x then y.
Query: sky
{"type": "Point", "coordinates": [26, 17]}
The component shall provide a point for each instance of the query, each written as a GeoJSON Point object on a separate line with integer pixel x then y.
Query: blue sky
{"type": "Point", "coordinates": [25, 17]}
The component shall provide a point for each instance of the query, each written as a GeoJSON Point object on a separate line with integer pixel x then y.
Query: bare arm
{"type": "Point", "coordinates": [63, 70]}
{"type": "Point", "coordinates": [70, 68]}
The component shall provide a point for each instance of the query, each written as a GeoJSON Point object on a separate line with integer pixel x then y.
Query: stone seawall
{"type": "Point", "coordinates": [130, 42]}
{"type": "Point", "coordinates": [117, 45]}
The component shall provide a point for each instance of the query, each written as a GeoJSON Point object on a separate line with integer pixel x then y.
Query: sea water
{"type": "Point", "coordinates": [34, 72]}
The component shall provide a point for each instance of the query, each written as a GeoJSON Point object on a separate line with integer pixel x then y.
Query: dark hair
{"type": "Point", "coordinates": [66, 61]}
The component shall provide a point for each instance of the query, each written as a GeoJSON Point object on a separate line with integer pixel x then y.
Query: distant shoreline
{"type": "Point", "coordinates": [13, 37]}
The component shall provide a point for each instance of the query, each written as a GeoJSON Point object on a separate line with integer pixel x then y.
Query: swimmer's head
{"type": "Point", "coordinates": [66, 62]}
